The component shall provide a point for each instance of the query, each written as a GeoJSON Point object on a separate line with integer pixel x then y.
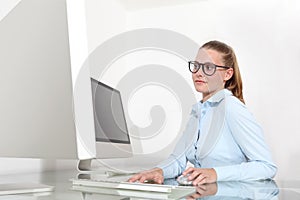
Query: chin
{"type": "Point", "coordinates": [201, 89]}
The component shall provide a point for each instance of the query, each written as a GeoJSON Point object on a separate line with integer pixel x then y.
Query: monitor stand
{"type": "Point", "coordinates": [85, 167]}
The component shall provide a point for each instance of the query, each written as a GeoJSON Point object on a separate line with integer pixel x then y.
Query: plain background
{"type": "Point", "coordinates": [265, 37]}
{"type": "Point", "coordinates": [264, 34]}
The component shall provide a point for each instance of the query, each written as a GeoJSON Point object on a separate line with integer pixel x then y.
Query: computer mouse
{"type": "Point", "coordinates": [183, 180]}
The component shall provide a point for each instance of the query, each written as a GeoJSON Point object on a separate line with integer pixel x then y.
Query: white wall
{"type": "Point", "coordinates": [264, 35]}
{"type": "Point", "coordinates": [104, 20]}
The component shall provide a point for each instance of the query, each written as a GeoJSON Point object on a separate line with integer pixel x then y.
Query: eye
{"type": "Point", "coordinates": [195, 66]}
{"type": "Point", "coordinates": [209, 67]}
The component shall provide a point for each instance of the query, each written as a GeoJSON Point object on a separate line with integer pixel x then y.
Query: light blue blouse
{"type": "Point", "coordinates": [222, 134]}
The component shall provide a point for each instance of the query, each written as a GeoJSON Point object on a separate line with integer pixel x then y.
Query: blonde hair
{"type": "Point", "coordinates": [234, 84]}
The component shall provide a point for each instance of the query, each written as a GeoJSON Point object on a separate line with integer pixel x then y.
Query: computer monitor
{"type": "Point", "coordinates": [41, 115]}
{"type": "Point", "coordinates": [40, 112]}
{"type": "Point", "coordinates": [36, 104]}
{"type": "Point", "coordinates": [111, 132]}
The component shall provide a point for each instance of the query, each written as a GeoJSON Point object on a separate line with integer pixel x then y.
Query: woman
{"type": "Point", "coordinates": [222, 139]}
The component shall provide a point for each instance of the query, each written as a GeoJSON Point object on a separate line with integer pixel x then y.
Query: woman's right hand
{"type": "Point", "coordinates": [209, 189]}
{"type": "Point", "coordinates": [153, 175]}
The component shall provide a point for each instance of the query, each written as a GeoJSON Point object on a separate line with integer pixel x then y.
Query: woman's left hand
{"type": "Point", "coordinates": [201, 175]}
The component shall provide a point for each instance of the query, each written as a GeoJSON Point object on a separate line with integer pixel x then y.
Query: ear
{"type": "Point", "coordinates": [228, 74]}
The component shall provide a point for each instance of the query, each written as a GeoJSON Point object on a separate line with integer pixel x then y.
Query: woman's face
{"type": "Point", "coordinates": [209, 85]}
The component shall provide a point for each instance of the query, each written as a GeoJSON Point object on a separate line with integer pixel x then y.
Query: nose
{"type": "Point", "coordinates": [200, 73]}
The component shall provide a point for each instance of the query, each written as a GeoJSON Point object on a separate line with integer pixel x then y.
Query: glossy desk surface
{"type": "Point", "coordinates": [282, 190]}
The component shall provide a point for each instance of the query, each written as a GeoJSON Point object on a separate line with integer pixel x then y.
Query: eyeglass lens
{"type": "Point", "coordinates": [208, 68]}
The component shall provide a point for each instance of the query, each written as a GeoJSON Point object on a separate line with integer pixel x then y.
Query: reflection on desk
{"type": "Point", "coordinates": [220, 190]}
{"type": "Point", "coordinates": [237, 190]}
{"type": "Point", "coordinates": [286, 190]}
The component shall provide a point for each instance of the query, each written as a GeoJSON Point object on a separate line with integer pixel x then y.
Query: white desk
{"type": "Point", "coordinates": [286, 190]}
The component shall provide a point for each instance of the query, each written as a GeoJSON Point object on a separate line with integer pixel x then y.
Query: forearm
{"type": "Point", "coordinates": [254, 170]}
{"type": "Point", "coordinates": [176, 162]}
{"type": "Point", "coordinates": [172, 167]}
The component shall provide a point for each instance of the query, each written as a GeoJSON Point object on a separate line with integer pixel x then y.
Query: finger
{"type": "Point", "coordinates": [201, 179]}
{"type": "Point", "coordinates": [200, 191]}
{"type": "Point", "coordinates": [195, 196]}
{"type": "Point", "coordinates": [188, 171]}
{"type": "Point", "coordinates": [147, 176]}
{"type": "Point", "coordinates": [143, 179]}
{"type": "Point", "coordinates": [158, 180]}
{"type": "Point", "coordinates": [189, 197]}
{"type": "Point", "coordinates": [201, 188]}
{"type": "Point", "coordinates": [134, 178]}
{"type": "Point", "coordinates": [194, 175]}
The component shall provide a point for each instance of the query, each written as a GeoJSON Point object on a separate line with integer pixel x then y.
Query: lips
{"type": "Point", "coordinates": [199, 81]}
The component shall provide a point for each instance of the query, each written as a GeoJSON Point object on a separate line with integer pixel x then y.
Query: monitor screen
{"type": "Point", "coordinates": [109, 117]}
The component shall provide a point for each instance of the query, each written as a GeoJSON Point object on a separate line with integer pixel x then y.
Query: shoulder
{"type": "Point", "coordinates": [234, 107]}
{"type": "Point", "coordinates": [233, 102]}
{"type": "Point", "coordinates": [237, 113]}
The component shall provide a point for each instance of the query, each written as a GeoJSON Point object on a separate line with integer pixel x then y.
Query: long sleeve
{"type": "Point", "coordinates": [249, 137]}
{"type": "Point", "coordinates": [234, 147]}
{"type": "Point", "coordinates": [175, 164]}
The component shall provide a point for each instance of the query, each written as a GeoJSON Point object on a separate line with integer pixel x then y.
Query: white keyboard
{"type": "Point", "coordinates": [124, 185]}
{"type": "Point", "coordinates": [119, 181]}
{"type": "Point", "coordinates": [116, 184]}
{"type": "Point", "coordinates": [122, 188]}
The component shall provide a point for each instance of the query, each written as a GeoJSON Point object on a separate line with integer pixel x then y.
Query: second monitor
{"type": "Point", "coordinates": [111, 132]}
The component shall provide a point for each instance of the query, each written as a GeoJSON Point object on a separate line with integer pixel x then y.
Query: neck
{"type": "Point", "coordinates": [206, 96]}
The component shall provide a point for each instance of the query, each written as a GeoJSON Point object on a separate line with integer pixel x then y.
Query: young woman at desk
{"type": "Point", "coordinates": [222, 139]}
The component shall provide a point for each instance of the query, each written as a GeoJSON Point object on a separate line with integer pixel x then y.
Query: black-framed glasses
{"type": "Point", "coordinates": [208, 68]}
